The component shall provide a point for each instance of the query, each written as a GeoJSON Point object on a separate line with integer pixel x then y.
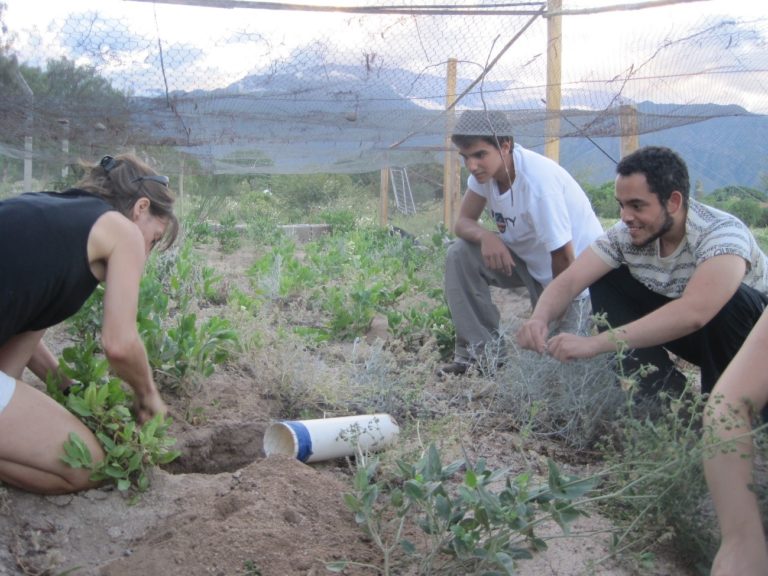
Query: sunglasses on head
{"type": "Point", "coordinates": [109, 164]}
{"type": "Point", "coordinates": [160, 179]}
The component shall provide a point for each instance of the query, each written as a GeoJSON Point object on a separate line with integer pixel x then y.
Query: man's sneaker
{"type": "Point", "coordinates": [453, 369]}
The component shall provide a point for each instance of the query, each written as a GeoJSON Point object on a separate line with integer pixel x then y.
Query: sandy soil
{"type": "Point", "coordinates": [225, 509]}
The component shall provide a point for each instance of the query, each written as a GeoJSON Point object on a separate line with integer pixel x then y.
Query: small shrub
{"type": "Point", "coordinates": [655, 477]}
{"type": "Point", "coordinates": [104, 406]}
{"type": "Point", "coordinates": [467, 527]}
{"type": "Point", "coordinates": [227, 234]}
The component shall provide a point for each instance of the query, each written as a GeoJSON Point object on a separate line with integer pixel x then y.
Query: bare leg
{"type": "Point", "coordinates": [742, 388]}
{"type": "Point", "coordinates": [16, 353]}
{"type": "Point", "coordinates": [33, 428]}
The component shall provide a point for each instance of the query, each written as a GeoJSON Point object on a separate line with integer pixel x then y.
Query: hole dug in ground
{"type": "Point", "coordinates": [222, 447]}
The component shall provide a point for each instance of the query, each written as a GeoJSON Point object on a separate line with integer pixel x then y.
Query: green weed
{"type": "Point", "coordinates": [104, 406]}
{"type": "Point", "coordinates": [180, 348]}
{"type": "Point", "coordinates": [654, 471]}
{"type": "Point", "coordinates": [467, 526]}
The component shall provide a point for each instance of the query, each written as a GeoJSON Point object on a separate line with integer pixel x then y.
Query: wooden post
{"type": "Point", "coordinates": [181, 189]}
{"type": "Point", "coordinates": [630, 139]}
{"type": "Point", "coordinates": [64, 123]}
{"type": "Point", "coordinates": [29, 106]}
{"type": "Point", "coordinates": [384, 197]}
{"type": "Point", "coordinates": [554, 81]}
{"type": "Point", "coordinates": [451, 169]}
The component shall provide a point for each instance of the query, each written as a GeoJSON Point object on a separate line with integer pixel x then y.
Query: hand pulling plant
{"type": "Point", "coordinates": [103, 404]}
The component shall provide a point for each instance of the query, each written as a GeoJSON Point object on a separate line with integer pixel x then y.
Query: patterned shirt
{"type": "Point", "coordinates": [708, 232]}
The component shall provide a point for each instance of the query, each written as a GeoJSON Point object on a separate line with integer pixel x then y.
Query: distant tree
{"type": "Point", "coordinates": [6, 38]}
{"type": "Point", "coordinates": [95, 114]}
{"type": "Point", "coordinates": [10, 169]}
{"type": "Point", "coordinates": [603, 200]}
{"type": "Point", "coordinates": [73, 90]}
{"type": "Point", "coordinates": [305, 194]}
{"type": "Point", "coordinates": [734, 192]}
{"type": "Point", "coordinates": [748, 210]}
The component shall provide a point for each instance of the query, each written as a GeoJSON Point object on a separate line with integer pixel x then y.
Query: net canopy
{"type": "Point", "coordinates": [243, 87]}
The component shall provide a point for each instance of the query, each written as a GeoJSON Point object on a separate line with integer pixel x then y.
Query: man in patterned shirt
{"type": "Point", "coordinates": [673, 275]}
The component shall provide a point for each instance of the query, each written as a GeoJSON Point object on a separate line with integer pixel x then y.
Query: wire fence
{"type": "Point", "coordinates": [271, 88]}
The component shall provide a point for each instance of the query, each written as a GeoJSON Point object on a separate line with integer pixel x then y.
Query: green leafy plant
{"type": "Point", "coordinates": [87, 320]}
{"type": "Point", "coordinates": [341, 221]}
{"type": "Point", "coordinates": [227, 234]}
{"type": "Point", "coordinates": [104, 406]}
{"type": "Point", "coordinates": [193, 348]}
{"type": "Point", "coordinates": [250, 569]}
{"type": "Point", "coordinates": [179, 347]}
{"type": "Point", "coordinates": [468, 527]}
{"type": "Point", "coordinates": [415, 324]}
{"type": "Point", "coordinates": [279, 274]}
{"type": "Point", "coordinates": [654, 471]}
{"type": "Point", "coordinates": [352, 309]}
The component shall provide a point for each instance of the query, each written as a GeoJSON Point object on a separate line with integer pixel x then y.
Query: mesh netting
{"type": "Point", "coordinates": [290, 91]}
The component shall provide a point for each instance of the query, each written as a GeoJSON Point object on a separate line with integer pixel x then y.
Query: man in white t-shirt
{"type": "Point", "coordinates": [543, 219]}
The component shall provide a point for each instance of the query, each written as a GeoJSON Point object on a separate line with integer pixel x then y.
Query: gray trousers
{"type": "Point", "coordinates": [475, 316]}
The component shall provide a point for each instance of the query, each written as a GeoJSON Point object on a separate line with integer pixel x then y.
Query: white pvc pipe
{"type": "Point", "coordinates": [328, 438]}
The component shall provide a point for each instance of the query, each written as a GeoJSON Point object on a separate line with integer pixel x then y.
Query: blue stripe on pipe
{"type": "Point", "coordinates": [303, 438]}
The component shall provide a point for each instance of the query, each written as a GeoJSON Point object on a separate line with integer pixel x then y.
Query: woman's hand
{"type": "Point", "coordinates": [148, 405]}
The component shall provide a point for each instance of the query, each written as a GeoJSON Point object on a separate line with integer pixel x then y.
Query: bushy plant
{"type": "Point", "coordinates": [104, 406]}
{"type": "Point", "coordinates": [655, 475]}
{"type": "Point", "coordinates": [603, 200]}
{"type": "Point", "coordinates": [179, 347]}
{"type": "Point", "coordinates": [467, 525]}
{"type": "Point", "coordinates": [341, 221]}
{"type": "Point", "coordinates": [415, 324]}
{"type": "Point", "coordinates": [227, 234]}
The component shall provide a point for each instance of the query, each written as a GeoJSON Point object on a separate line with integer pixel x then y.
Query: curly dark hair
{"type": "Point", "coordinates": [664, 169]}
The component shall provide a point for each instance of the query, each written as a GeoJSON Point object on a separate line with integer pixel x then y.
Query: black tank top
{"type": "Point", "coordinates": [44, 272]}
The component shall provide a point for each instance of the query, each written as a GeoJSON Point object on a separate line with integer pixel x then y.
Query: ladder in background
{"type": "Point", "coordinates": [401, 187]}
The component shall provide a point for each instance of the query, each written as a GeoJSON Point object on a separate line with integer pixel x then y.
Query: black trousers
{"type": "Point", "coordinates": [624, 299]}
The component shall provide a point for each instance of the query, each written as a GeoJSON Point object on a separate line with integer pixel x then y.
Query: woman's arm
{"type": "Point", "coordinates": [122, 249]}
{"type": "Point", "coordinates": [42, 363]}
{"type": "Point", "coordinates": [740, 393]}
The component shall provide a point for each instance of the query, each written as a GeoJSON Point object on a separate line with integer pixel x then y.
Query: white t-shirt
{"type": "Point", "coordinates": [708, 232]}
{"type": "Point", "coordinates": [545, 209]}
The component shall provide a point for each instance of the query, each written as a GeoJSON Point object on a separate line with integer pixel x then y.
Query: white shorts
{"type": "Point", "coordinates": [7, 388]}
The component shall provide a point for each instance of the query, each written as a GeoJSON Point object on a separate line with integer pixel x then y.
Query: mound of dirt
{"type": "Point", "coordinates": [276, 516]}
{"type": "Point", "coordinates": [223, 509]}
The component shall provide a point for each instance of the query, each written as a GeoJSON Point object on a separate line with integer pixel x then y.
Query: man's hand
{"type": "Point", "coordinates": [496, 255]}
{"type": "Point", "coordinates": [533, 336]}
{"type": "Point", "coordinates": [565, 347]}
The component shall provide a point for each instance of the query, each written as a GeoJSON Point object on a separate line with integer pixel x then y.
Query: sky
{"type": "Point", "coordinates": [232, 43]}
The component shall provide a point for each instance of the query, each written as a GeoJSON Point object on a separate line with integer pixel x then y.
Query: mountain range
{"type": "Point", "coordinates": [337, 118]}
